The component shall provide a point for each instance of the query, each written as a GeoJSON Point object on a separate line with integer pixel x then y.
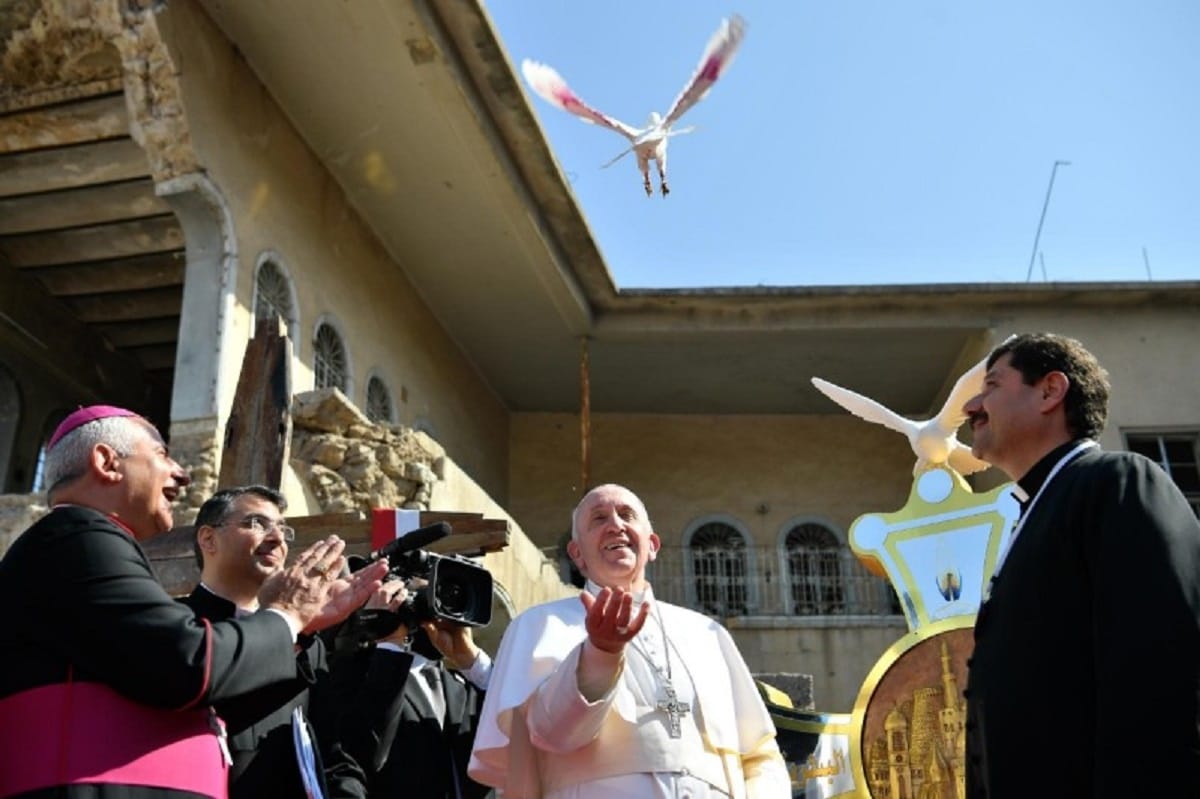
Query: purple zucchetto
{"type": "Point", "coordinates": [84, 415]}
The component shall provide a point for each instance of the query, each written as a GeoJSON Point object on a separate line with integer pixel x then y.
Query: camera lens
{"type": "Point", "coordinates": [453, 597]}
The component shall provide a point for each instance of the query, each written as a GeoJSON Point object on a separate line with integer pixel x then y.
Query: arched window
{"type": "Point", "coordinates": [718, 557]}
{"type": "Point", "coordinates": [379, 401]}
{"type": "Point", "coordinates": [814, 558]}
{"type": "Point", "coordinates": [39, 467]}
{"type": "Point", "coordinates": [331, 367]}
{"type": "Point", "coordinates": [273, 292]}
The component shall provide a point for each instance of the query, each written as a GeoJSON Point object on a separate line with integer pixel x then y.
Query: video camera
{"type": "Point", "coordinates": [456, 588]}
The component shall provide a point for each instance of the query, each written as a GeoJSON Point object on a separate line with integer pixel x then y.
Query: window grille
{"type": "Point", "coordinates": [379, 401]}
{"type": "Point", "coordinates": [272, 294]}
{"type": "Point", "coordinates": [329, 358]}
{"type": "Point", "coordinates": [718, 554]}
{"type": "Point", "coordinates": [814, 558]}
{"type": "Point", "coordinates": [1177, 454]}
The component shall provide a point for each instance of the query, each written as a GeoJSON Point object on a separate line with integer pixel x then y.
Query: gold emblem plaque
{"type": "Point", "coordinates": [905, 735]}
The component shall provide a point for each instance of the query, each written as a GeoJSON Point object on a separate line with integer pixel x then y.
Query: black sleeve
{"type": "Point", "coordinates": [94, 599]}
{"type": "Point", "coordinates": [370, 712]}
{"type": "Point", "coordinates": [240, 712]}
{"type": "Point", "coordinates": [1145, 562]}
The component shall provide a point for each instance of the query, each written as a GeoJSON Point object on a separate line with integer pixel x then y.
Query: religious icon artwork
{"type": "Point", "coordinates": [913, 740]}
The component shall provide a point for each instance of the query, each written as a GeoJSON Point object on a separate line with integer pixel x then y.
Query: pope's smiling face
{"type": "Point", "coordinates": [612, 540]}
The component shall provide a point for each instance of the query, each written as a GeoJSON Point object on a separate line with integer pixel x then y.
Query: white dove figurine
{"type": "Point", "coordinates": [649, 143]}
{"type": "Point", "coordinates": [934, 441]}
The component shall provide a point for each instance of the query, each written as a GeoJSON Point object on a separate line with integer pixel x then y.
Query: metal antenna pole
{"type": "Point", "coordinates": [1146, 260]}
{"type": "Point", "coordinates": [1045, 205]}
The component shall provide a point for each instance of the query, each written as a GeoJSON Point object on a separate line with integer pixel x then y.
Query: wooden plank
{"type": "Point", "coordinates": [148, 331]}
{"type": "Point", "coordinates": [155, 356]}
{"type": "Point", "coordinates": [71, 167]}
{"type": "Point", "coordinates": [470, 532]}
{"type": "Point", "coordinates": [258, 433]}
{"type": "Point", "coordinates": [352, 526]}
{"type": "Point", "coordinates": [153, 271]}
{"type": "Point", "coordinates": [172, 559]}
{"type": "Point", "coordinates": [175, 543]}
{"type": "Point", "coordinates": [43, 329]}
{"type": "Point", "coordinates": [90, 205]}
{"type": "Point", "coordinates": [67, 123]}
{"type": "Point", "coordinates": [36, 98]}
{"type": "Point", "coordinates": [124, 306]}
{"type": "Point", "coordinates": [95, 243]}
{"type": "Point", "coordinates": [177, 575]}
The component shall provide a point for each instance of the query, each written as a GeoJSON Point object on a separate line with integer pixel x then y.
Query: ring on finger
{"type": "Point", "coordinates": [622, 630]}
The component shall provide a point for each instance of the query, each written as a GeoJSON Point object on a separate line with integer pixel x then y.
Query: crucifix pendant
{"type": "Point", "coordinates": [674, 709]}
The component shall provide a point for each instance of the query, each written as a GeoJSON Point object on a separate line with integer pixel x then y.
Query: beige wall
{"type": "Point", "coordinates": [1151, 355]}
{"type": "Point", "coordinates": [837, 655]}
{"type": "Point", "coordinates": [282, 199]}
{"type": "Point", "coordinates": [688, 467]}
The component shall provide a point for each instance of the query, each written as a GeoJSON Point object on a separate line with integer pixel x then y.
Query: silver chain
{"type": "Point", "coordinates": [666, 651]}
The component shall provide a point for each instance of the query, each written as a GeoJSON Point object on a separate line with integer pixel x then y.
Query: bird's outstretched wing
{"type": "Point", "coordinates": [551, 87]}
{"type": "Point", "coordinates": [863, 407]}
{"type": "Point", "coordinates": [716, 59]}
{"type": "Point", "coordinates": [951, 416]}
{"type": "Point", "coordinates": [968, 385]}
{"type": "Point", "coordinates": [963, 462]}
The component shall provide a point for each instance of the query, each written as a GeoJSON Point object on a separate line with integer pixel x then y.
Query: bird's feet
{"type": "Point", "coordinates": [665, 190]}
{"type": "Point", "coordinates": [649, 189]}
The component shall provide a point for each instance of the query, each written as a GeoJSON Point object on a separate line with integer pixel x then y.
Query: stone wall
{"type": "Point", "coordinates": [17, 512]}
{"type": "Point", "coordinates": [347, 462]}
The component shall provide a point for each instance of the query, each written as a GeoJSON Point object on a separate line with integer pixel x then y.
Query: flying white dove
{"type": "Point", "coordinates": [649, 143]}
{"type": "Point", "coordinates": [934, 441]}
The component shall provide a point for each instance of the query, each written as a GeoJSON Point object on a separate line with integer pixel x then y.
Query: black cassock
{"type": "Point", "coordinates": [1085, 677]}
{"type": "Point", "coordinates": [96, 655]}
{"type": "Point", "coordinates": [260, 724]}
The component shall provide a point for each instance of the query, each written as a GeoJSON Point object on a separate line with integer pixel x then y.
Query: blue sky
{"type": "Point", "coordinates": [884, 141]}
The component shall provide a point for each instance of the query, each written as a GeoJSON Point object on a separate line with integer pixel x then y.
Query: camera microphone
{"type": "Point", "coordinates": [414, 539]}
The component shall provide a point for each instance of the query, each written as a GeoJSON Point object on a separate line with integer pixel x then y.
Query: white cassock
{"type": "Point", "coordinates": [539, 738]}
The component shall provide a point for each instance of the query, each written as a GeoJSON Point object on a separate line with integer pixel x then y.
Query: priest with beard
{"type": "Point", "coordinates": [1085, 678]}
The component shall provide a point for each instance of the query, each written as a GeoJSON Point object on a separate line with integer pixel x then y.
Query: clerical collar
{"type": "Point", "coordinates": [639, 597]}
{"type": "Point", "coordinates": [1029, 485]}
{"type": "Point", "coordinates": [238, 612]}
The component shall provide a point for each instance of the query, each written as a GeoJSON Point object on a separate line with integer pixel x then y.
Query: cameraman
{"type": "Point", "coordinates": [409, 719]}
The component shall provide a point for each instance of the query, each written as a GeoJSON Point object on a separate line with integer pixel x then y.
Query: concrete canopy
{"type": "Point", "coordinates": [414, 107]}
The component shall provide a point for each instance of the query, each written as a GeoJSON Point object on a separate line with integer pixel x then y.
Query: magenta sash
{"type": "Point", "coordinates": [82, 732]}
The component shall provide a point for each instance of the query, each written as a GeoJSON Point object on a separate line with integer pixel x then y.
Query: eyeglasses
{"type": "Point", "coordinates": [261, 525]}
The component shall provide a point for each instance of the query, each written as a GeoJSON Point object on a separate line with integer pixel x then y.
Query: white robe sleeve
{"type": "Point", "coordinates": [560, 717]}
{"type": "Point", "coordinates": [534, 644]}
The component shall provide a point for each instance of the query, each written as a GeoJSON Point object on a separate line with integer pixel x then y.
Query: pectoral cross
{"type": "Point", "coordinates": [674, 709]}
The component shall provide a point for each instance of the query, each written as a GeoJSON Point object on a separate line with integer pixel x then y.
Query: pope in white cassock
{"type": "Point", "coordinates": [616, 695]}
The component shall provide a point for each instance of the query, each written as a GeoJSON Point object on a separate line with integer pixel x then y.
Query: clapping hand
{"type": "Point", "coordinates": [314, 591]}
